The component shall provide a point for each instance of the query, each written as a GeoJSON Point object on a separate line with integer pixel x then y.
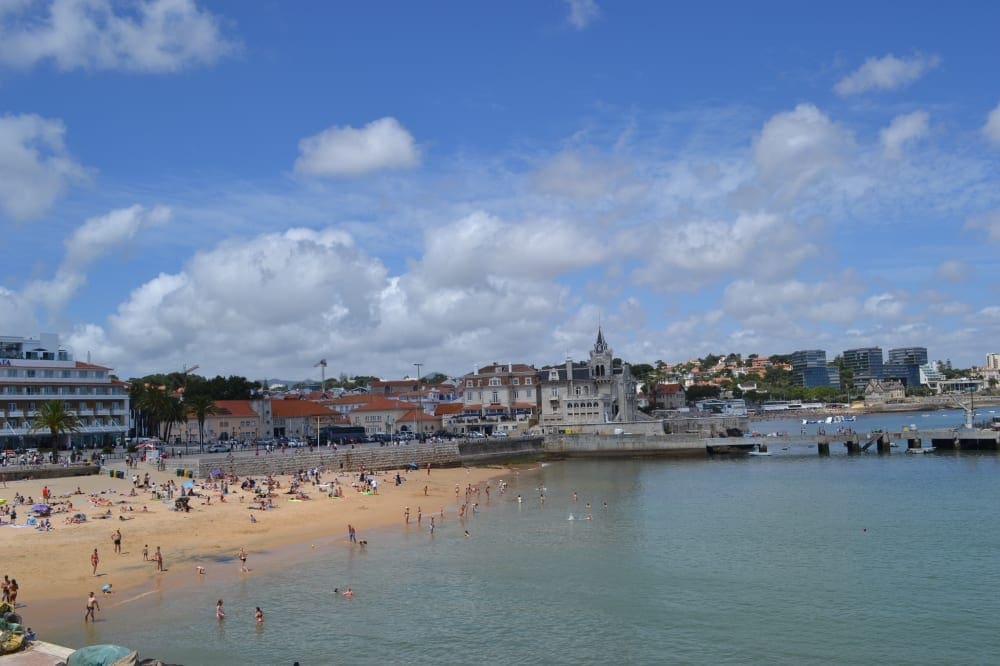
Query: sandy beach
{"type": "Point", "coordinates": [53, 568]}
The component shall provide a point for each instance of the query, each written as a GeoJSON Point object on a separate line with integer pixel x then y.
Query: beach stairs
{"type": "Point", "coordinates": [881, 439]}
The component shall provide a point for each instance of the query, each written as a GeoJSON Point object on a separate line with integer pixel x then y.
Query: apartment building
{"type": "Point", "coordinates": [35, 370]}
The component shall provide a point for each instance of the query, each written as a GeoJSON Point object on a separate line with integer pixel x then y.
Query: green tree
{"type": "Point", "coordinates": [200, 407]}
{"type": "Point", "coordinates": [54, 416]}
{"type": "Point", "coordinates": [700, 392]}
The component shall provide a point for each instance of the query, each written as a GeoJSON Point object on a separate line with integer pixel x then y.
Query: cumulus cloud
{"type": "Point", "coordinates": [98, 235]}
{"type": "Point", "coordinates": [989, 222]}
{"type": "Point", "coordinates": [576, 175]}
{"type": "Point", "coordinates": [136, 35]}
{"type": "Point", "coordinates": [885, 73]}
{"type": "Point", "coordinates": [481, 247]}
{"type": "Point", "coordinates": [691, 255]}
{"type": "Point", "coordinates": [35, 167]}
{"type": "Point", "coordinates": [582, 13]}
{"type": "Point", "coordinates": [902, 130]}
{"type": "Point", "coordinates": [992, 127]}
{"type": "Point", "coordinates": [884, 306]}
{"type": "Point", "coordinates": [795, 148]}
{"type": "Point", "coordinates": [954, 271]}
{"type": "Point", "coordinates": [275, 302]}
{"type": "Point", "coordinates": [95, 238]}
{"type": "Point", "coordinates": [347, 151]}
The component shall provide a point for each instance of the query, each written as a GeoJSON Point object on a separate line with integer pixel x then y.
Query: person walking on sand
{"type": "Point", "coordinates": [145, 552]}
{"type": "Point", "coordinates": [243, 560]}
{"type": "Point", "coordinates": [116, 539]}
{"type": "Point", "coordinates": [158, 558]}
{"type": "Point", "coordinates": [94, 560]}
{"type": "Point", "coordinates": [92, 606]}
{"type": "Point", "coordinates": [219, 613]}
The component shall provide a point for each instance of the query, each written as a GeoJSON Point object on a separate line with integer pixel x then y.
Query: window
{"type": "Point", "coordinates": [553, 375]}
{"type": "Point", "coordinates": [12, 373]}
{"type": "Point", "coordinates": [496, 397]}
{"type": "Point", "coordinates": [513, 394]}
{"type": "Point", "coordinates": [49, 373]}
{"type": "Point", "coordinates": [529, 393]}
{"type": "Point", "coordinates": [29, 373]}
{"type": "Point", "coordinates": [515, 381]}
{"type": "Point", "coordinates": [66, 373]}
{"type": "Point", "coordinates": [579, 390]}
{"type": "Point", "coordinates": [468, 383]}
{"type": "Point", "coordinates": [468, 395]}
{"type": "Point", "coordinates": [554, 392]}
{"type": "Point", "coordinates": [494, 381]}
{"type": "Point", "coordinates": [527, 381]}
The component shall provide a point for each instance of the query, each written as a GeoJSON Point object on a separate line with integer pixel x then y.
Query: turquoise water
{"type": "Point", "coordinates": [790, 559]}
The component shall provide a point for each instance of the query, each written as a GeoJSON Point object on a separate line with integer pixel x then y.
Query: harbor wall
{"type": "Point", "coordinates": [39, 472]}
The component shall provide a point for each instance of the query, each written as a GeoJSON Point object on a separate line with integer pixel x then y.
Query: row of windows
{"type": "Point", "coordinates": [495, 397]}
{"type": "Point", "coordinates": [65, 374]}
{"type": "Point", "coordinates": [32, 406]}
{"type": "Point", "coordinates": [495, 381]}
{"type": "Point", "coordinates": [61, 390]}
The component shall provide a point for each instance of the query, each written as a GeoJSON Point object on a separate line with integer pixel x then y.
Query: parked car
{"type": "Point", "coordinates": [218, 448]}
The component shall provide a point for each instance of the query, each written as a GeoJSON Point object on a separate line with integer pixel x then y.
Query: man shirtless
{"type": "Point", "coordinates": [94, 560]}
{"type": "Point", "coordinates": [92, 605]}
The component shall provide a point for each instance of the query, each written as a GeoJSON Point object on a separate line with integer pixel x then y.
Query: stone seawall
{"type": "Point", "coordinates": [37, 472]}
{"type": "Point", "coordinates": [626, 445]}
{"type": "Point", "coordinates": [438, 454]}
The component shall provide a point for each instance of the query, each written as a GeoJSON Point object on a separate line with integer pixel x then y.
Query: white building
{"type": "Point", "coordinates": [594, 392]}
{"type": "Point", "coordinates": [35, 370]}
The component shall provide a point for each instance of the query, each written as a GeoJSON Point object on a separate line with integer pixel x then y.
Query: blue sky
{"type": "Point", "coordinates": [254, 186]}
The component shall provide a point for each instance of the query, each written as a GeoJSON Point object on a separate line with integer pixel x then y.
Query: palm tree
{"type": "Point", "coordinates": [201, 407]}
{"type": "Point", "coordinates": [54, 416]}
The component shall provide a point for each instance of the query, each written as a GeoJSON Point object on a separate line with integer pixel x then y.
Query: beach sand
{"type": "Point", "coordinates": [53, 569]}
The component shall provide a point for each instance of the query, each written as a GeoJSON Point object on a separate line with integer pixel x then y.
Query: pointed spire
{"type": "Point", "coordinates": [600, 346]}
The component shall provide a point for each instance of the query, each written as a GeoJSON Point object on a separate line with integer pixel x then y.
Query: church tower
{"type": "Point", "coordinates": [601, 359]}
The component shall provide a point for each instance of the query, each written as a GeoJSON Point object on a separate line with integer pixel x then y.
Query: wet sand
{"type": "Point", "coordinates": [53, 568]}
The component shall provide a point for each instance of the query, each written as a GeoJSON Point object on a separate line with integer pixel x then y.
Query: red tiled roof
{"type": "Point", "coordinates": [289, 409]}
{"type": "Point", "coordinates": [448, 408]}
{"type": "Point", "coordinates": [380, 404]}
{"type": "Point", "coordinates": [90, 366]}
{"type": "Point", "coordinates": [234, 408]}
{"type": "Point", "coordinates": [417, 415]}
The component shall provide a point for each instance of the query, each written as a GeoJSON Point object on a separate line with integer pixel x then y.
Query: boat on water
{"type": "Point", "coordinates": [929, 449]}
{"type": "Point", "coordinates": [760, 453]}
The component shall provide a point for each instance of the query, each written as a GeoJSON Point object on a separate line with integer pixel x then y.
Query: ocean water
{"type": "Point", "coordinates": [788, 559]}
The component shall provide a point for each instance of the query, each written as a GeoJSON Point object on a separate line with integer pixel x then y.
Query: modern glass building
{"type": "Point", "coordinates": [908, 356]}
{"type": "Point", "coordinates": [904, 365]}
{"type": "Point", "coordinates": [809, 369]}
{"type": "Point", "coordinates": [866, 364]}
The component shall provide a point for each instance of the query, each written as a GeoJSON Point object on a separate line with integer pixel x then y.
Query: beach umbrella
{"type": "Point", "coordinates": [40, 508]}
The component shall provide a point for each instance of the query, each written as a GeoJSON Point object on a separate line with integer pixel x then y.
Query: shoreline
{"type": "Point", "coordinates": [53, 570]}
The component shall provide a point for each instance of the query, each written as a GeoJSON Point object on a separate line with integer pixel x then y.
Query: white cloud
{"type": "Point", "coordinates": [884, 306]}
{"type": "Point", "coordinates": [35, 167]}
{"type": "Point", "coordinates": [990, 222]}
{"type": "Point", "coordinates": [93, 239]}
{"type": "Point", "coordinates": [143, 36]}
{"type": "Point", "coordinates": [885, 73]}
{"type": "Point", "coordinates": [992, 127]}
{"type": "Point", "coordinates": [582, 13]}
{"type": "Point", "coordinates": [691, 255]}
{"type": "Point", "coordinates": [346, 151]}
{"type": "Point", "coordinates": [796, 148]}
{"type": "Point", "coordinates": [98, 235]}
{"type": "Point", "coordinates": [954, 271]}
{"type": "Point", "coordinates": [481, 247]}
{"type": "Point", "coordinates": [584, 177]}
{"type": "Point", "coordinates": [902, 130]}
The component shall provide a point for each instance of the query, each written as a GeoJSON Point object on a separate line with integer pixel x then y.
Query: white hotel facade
{"type": "Point", "coordinates": [35, 370]}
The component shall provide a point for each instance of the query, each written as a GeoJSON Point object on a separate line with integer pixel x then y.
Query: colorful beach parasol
{"type": "Point", "coordinates": [41, 508]}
